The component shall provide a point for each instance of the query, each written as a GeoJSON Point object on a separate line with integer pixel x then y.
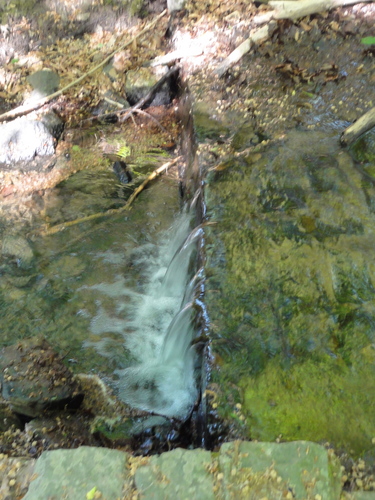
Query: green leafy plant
{"type": "Point", "coordinates": [368, 40]}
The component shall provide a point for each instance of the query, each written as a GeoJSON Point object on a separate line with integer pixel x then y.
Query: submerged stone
{"type": "Point", "coordinates": [18, 248]}
{"type": "Point", "coordinates": [291, 299]}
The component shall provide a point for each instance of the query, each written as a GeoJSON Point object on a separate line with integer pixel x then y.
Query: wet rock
{"type": "Point", "coordinates": [35, 380]}
{"type": "Point", "coordinates": [19, 249]}
{"type": "Point", "coordinates": [16, 474]}
{"type": "Point", "coordinates": [206, 125]}
{"type": "Point", "coordinates": [139, 82]}
{"type": "Point", "coordinates": [54, 125]}
{"type": "Point", "coordinates": [122, 172]}
{"type": "Point", "coordinates": [44, 82]}
{"type": "Point", "coordinates": [245, 137]}
{"type": "Point", "coordinates": [363, 149]}
{"type": "Point", "coordinates": [67, 430]}
{"type": "Point", "coordinates": [7, 418]}
{"type": "Point", "coordinates": [23, 139]}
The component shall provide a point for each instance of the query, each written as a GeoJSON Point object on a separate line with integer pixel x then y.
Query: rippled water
{"type": "Point", "coordinates": [97, 291]}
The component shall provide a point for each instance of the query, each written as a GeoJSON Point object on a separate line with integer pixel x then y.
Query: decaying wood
{"type": "Point", "coordinates": [296, 9]}
{"type": "Point", "coordinates": [362, 125]}
{"type": "Point", "coordinates": [25, 109]}
{"type": "Point", "coordinates": [256, 37]}
{"type": "Point", "coordinates": [113, 211]}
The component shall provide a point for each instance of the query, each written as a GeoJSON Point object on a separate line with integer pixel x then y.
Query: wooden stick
{"type": "Point", "coordinates": [25, 109]}
{"type": "Point", "coordinates": [256, 37]}
{"type": "Point", "coordinates": [362, 125]}
{"type": "Point", "coordinates": [113, 211]}
{"type": "Point", "coordinates": [294, 10]}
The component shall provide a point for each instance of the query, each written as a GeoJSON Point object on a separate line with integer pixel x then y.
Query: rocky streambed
{"type": "Point", "coordinates": [288, 291]}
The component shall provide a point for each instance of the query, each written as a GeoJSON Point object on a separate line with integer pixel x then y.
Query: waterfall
{"type": "Point", "coordinates": [155, 319]}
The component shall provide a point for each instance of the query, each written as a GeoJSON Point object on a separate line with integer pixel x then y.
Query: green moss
{"type": "Point", "coordinates": [292, 295]}
{"type": "Point", "coordinates": [314, 401]}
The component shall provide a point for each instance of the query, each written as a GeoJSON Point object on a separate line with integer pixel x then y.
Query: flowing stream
{"type": "Point", "coordinates": [157, 323]}
{"type": "Point", "coordinates": [116, 298]}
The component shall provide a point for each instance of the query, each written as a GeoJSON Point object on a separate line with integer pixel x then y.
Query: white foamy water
{"type": "Point", "coordinates": [155, 320]}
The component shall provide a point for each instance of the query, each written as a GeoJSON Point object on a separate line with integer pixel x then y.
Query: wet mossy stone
{"type": "Point", "coordinates": [17, 248]}
{"type": "Point", "coordinates": [35, 380]}
{"type": "Point", "coordinates": [291, 303]}
{"type": "Point", "coordinates": [245, 137]}
{"type": "Point", "coordinates": [207, 127]}
{"type": "Point", "coordinates": [313, 400]}
{"type": "Point", "coordinates": [363, 149]}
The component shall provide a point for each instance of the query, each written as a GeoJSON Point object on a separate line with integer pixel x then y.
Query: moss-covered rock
{"type": "Point", "coordinates": [291, 296]}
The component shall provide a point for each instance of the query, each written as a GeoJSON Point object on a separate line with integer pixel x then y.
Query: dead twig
{"type": "Point", "coordinates": [25, 109]}
{"type": "Point", "coordinates": [114, 211]}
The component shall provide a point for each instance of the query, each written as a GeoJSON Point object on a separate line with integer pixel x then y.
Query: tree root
{"type": "Point", "coordinates": [25, 109]}
{"type": "Point", "coordinates": [114, 211]}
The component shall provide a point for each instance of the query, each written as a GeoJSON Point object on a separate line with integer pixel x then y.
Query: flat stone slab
{"type": "Point", "coordinates": [298, 470]}
{"type": "Point", "coordinates": [256, 470]}
{"type": "Point", "coordinates": [182, 474]}
{"type": "Point", "coordinates": [74, 474]}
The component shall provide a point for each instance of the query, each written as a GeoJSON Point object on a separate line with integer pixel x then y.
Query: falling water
{"type": "Point", "coordinates": [156, 322]}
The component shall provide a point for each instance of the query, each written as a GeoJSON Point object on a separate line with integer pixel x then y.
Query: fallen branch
{"type": "Point", "coordinates": [113, 211]}
{"type": "Point", "coordinates": [256, 37]}
{"type": "Point", "coordinates": [302, 8]}
{"type": "Point", "coordinates": [362, 125]}
{"type": "Point", "coordinates": [25, 109]}
{"type": "Point", "coordinates": [174, 56]}
{"type": "Point", "coordinates": [123, 114]}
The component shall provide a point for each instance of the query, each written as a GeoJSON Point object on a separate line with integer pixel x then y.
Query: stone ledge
{"type": "Point", "coordinates": [299, 470]}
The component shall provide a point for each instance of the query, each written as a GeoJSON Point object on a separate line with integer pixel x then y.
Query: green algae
{"type": "Point", "coordinates": [317, 400]}
{"type": "Point", "coordinates": [292, 301]}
